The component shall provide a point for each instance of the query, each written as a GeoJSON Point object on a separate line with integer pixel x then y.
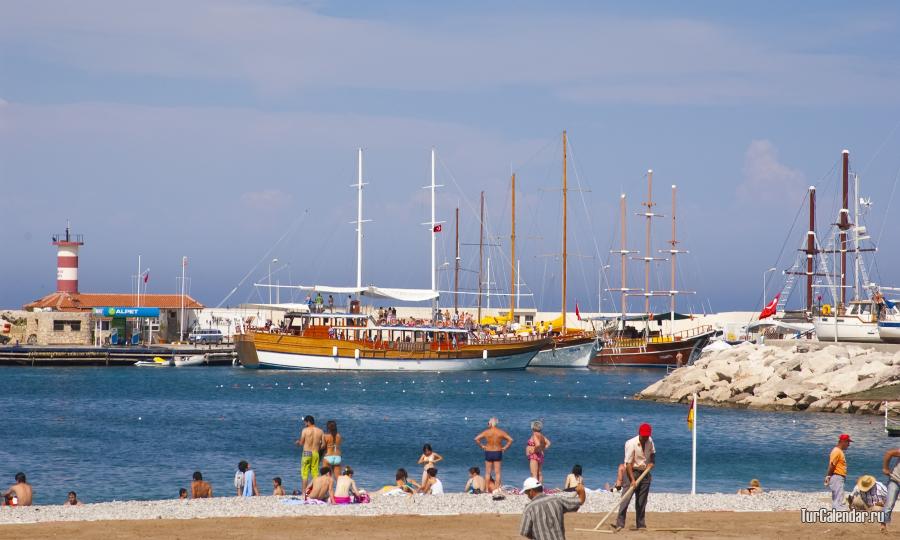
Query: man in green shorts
{"type": "Point", "coordinates": [312, 439]}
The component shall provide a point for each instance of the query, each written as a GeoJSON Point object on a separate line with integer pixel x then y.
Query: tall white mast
{"type": "Point", "coordinates": [433, 237]}
{"type": "Point", "coordinates": [856, 237]}
{"type": "Point", "coordinates": [359, 220]}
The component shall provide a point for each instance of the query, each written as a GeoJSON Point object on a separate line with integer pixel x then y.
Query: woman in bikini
{"type": "Point", "coordinates": [333, 441]}
{"type": "Point", "coordinates": [404, 483]}
{"type": "Point", "coordinates": [535, 448]}
{"type": "Point", "coordinates": [427, 460]}
{"type": "Point", "coordinates": [345, 488]}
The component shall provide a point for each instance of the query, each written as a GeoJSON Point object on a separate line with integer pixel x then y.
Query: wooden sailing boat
{"type": "Point", "coordinates": [355, 341]}
{"type": "Point", "coordinates": [569, 347]}
{"type": "Point", "coordinates": [633, 346]}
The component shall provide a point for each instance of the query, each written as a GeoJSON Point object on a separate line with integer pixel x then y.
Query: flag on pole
{"type": "Point", "coordinates": [690, 417]}
{"type": "Point", "coordinates": [184, 262]}
{"type": "Point", "coordinates": [147, 276]}
{"type": "Point", "coordinates": [577, 312]}
{"type": "Point", "coordinates": [437, 228]}
{"type": "Point", "coordinates": [770, 308]}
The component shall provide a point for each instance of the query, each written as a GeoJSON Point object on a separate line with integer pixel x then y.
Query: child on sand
{"type": "Point", "coordinates": [278, 489]}
{"type": "Point", "coordinates": [475, 484]}
{"type": "Point", "coordinates": [432, 485]}
{"type": "Point", "coordinates": [574, 479]}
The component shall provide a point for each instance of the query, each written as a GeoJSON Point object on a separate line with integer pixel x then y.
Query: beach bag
{"type": "Point", "coordinates": [363, 498]}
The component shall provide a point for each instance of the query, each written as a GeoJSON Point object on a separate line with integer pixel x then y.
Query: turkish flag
{"type": "Point", "coordinates": [577, 313]}
{"type": "Point", "coordinates": [147, 276]}
{"type": "Point", "coordinates": [770, 308]}
{"type": "Point", "coordinates": [437, 228]}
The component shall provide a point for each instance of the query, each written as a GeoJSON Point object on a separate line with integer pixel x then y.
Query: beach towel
{"type": "Point", "coordinates": [297, 500]}
{"type": "Point", "coordinates": [393, 492]}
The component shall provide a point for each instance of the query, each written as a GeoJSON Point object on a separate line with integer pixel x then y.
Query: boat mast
{"type": "Point", "coordinates": [480, 257]}
{"type": "Point", "coordinates": [856, 271]}
{"type": "Point", "coordinates": [512, 256]}
{"type": "Point", "coordinates": [456, 268]}
{"type": "Point", "coordinates": [673, 252]}
{"type": "Point", "coordinates": [810, 248]}
{"type": "Point", "coordinates": [359, 220]}
{"type": "Point", "coordinates": [624, 262]}
{"type": "Point", "coordinates": [565, 192]}
{"type": "Point", "coordinates": [844, 223]}
{"type": "Point", "coordinates": [433, 237]}
{"type": "Point", "coordinates": [647, 257]}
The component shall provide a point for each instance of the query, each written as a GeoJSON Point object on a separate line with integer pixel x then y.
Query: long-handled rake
{"type": "Point", "coordinates": [625, 497]}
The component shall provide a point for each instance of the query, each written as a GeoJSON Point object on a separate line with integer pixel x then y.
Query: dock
{"type": "Point", "coordinates": [77, 355]}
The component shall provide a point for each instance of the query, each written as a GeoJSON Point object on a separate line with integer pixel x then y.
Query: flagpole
{"type": "Point", "coordinates": [181, 326]}
{"type": "Point", "coordinates": [694, 448]}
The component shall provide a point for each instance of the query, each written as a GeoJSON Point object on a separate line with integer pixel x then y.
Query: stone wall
{"type": "Point", "coordinates": [58, 328]}
{"type": "Point", "coordinates": [767, 377]}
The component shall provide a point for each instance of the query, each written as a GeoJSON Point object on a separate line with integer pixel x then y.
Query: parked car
{"type": "Point", "coordinates": [205, 335]}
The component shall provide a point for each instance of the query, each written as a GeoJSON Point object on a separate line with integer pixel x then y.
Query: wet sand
{"type": "Point", "coordinates": [767, 525]}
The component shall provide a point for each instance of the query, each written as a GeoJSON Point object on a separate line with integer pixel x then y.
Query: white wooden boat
{"type": "Point", "coordinates": [156, 362]}
{"type": "Point", "coordinates": [192, 360]}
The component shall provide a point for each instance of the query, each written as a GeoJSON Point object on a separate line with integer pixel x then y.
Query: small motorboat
{"type": "Point", "coordinates": [192, 360]}
{"type": "Point", "coordinates": [157, 361]}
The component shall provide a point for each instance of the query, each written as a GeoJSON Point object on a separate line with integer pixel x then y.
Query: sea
{"type": "Point", "coordinates": [131, 433]}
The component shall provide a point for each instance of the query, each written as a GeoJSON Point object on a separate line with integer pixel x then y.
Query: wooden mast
{"type": "Point", "coordinates": [480, 257]}
{"type": "Point", "coordinates": [456, 269]}
{"type": "Point", "coordinates": [565, 192]}
{"type": "Point", "coordinates": [647, 256]}
{"type": "Point", "coordinates": [810, 248]}
{"type": "Point", "coordinates": [673, 252]}
{"type": "Point", "coordinates": [512, 256]}
{"type": "Point", "coordinates": [844, 223]}
{"type": "Point", "coordinates": [624, 262]}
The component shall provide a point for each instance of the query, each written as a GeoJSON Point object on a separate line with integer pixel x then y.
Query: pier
{"type": "Point", "coordinates": [76, 355]}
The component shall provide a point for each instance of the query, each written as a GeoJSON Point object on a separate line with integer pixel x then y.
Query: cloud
{"type": "Point", "coordinates": [277, 49]}
{"type": "Point", "coordinates": [766, 179]}
{"type": "Point", "coordinates": [267, 199]}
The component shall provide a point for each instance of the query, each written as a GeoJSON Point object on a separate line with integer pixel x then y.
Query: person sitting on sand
{"type": "Point", "coordinates": [72, 499]}
{"type": "Point", "coordinates": [322, 488]}
{"type": "Point", "coordinates": [620, 479]}
{"type": "Point", "coordinates": [250, 489]}
{"type": "Point", "coordinates": [432, 485]}
{"type": "Point", "coordinates": [19, 494]}
{"type": "Point", "coordinates": [754, 489]}
{"type": "Point", "coordinates": [869, 495]}
{"type": "Point", "coordinates": [182, 494]}
{"type": "Point", "coordinates": [475, 484]}
{"type": "Point", "coordinates": [403, 482]}
{"type": "Point", "coordinates": [239, 478]}
{"type": "Point", "coordinates": [345, 487]}
{"type": "Point", "coordinates": [574, 479]}
{"type": "Point", "coordinates": [427, 460]}
{"type": "Point", "coordinates": [200, 488]}
{"type": "Point", "coordinates": [496, 441]}
{"type": "Point", "coordinates": [278, 490]}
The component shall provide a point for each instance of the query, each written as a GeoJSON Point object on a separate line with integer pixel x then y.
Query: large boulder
{"type": "Point", "coordinates": [842, 383]}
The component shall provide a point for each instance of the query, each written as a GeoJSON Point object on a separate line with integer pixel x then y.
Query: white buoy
{"type": "Point", "coordinates": [139, 418]}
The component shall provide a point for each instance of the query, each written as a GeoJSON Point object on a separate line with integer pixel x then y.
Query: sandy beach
{"type": "Point", "coordinates": [771, 515]}
{"type": "Point", "coordinates": [774, 525]}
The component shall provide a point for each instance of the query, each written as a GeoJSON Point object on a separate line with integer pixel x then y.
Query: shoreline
{"type": "Point", "coordinates": [381, 505]}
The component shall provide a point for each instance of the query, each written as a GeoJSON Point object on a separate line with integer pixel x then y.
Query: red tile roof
{"type": "Point", "coordinates": [62, 301]}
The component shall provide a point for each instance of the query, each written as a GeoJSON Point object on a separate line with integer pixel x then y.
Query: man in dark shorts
{"type": "Point", "coordinates": [496, 441]}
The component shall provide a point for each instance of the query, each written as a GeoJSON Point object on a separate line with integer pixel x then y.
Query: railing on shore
{"type": "Point", "coordinates": [670, 338]}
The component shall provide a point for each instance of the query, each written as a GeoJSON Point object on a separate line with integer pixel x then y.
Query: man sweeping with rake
{"type": "Point", "coordinates": [640, 456]}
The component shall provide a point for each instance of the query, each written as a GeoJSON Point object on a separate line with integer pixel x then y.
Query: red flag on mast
{"type": "Point", "coordinates": [437, 228]}
{"type": "Point", "coordinates": [770, 308]}
{"type": "Point", "coordinates": [577, 313]}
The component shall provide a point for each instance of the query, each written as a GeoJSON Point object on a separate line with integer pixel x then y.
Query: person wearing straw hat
{"type": "Point", "coordinates": [640, 456]}
{"type": "Point", "coordinates": [868, 495]}
{"type": "Point", "coordinates": [893, 486]}
{"type": "Point", "coordinates": [543, 517]}
{"type": "Point", "coordinates": [837, 472]}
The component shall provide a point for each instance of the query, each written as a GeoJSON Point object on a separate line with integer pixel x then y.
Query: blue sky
{"type": "Point", "coordinates": [210, 128]}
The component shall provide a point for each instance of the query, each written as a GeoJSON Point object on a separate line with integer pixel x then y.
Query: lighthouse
{"type": "Point", "coordinates": [67, 260]}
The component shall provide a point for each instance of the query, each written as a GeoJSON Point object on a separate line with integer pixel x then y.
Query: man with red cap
{"type": "Point", "coordinates": [837, 472]}
{"type": "Point", "coordinates": [640, 456]}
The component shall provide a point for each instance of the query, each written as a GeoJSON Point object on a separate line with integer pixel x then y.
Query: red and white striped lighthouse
{"type": "Point", "coordinates": [67, 260]}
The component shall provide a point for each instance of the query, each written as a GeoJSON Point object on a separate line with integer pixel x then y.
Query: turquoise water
{"type": "Point", "coordinates": [130, 433]}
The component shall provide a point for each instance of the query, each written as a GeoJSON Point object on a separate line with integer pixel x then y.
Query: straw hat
{"type": "Point", "coordinates": [865, 483]}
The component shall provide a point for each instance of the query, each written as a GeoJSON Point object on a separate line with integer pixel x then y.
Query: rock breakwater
{"type": "Point", "coordinates": [801, 377]}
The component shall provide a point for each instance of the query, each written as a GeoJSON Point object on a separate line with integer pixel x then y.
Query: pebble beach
{"type": "Point", "coordinates": [446, 505]}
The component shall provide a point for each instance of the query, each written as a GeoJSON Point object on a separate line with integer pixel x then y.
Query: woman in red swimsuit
{"type": "Point", "coordinates": [534, 450]}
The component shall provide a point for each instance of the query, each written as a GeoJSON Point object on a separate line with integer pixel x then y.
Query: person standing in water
{"type": "Point", "coordinates": [534, 450]}
{"type": "Point", "coordinates": [19, 494]}
{"type": "Point", "coordinates": [333, 441]}
{"type": "Point", "coordinates": [311, 439]}
{"type": "Point", "coordinates": [427, 460]}
{"type": "Point", "coordinates": [496, 441]}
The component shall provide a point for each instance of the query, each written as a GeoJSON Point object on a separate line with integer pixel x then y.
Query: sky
{"type": "Point", "coordinates": [227, 130]}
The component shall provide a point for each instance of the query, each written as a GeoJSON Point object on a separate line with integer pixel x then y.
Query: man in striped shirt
{"type": "Point", "coordinates": [543, 515]}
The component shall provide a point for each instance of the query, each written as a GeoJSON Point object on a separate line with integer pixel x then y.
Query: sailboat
{"type": "Point", "coordinates": [570, 347]}
{"type": "Point", "coordinates": [858, 320]}
{"type": "Point", "coordinates": [355, 341]}
{"type": "Point", "coordinates": [633, 346]}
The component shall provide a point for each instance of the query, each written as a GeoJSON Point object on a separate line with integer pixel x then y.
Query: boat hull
{"type": "Point", "coordinates": [574, 355]}
{"type": "Point", "coordinates": [194, 360]}
{"type": "Point", "coordinates": [285, 352]}
{"type": "Point", "coordinates": [889, 331]}
{"type": "Point", "coordinates": [654, 354]}
{"type": "Point", "coordinates": [848, 328]}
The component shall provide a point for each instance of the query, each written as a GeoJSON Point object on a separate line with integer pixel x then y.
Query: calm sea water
{"type": "Point", "coordinates": [130, 433]}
